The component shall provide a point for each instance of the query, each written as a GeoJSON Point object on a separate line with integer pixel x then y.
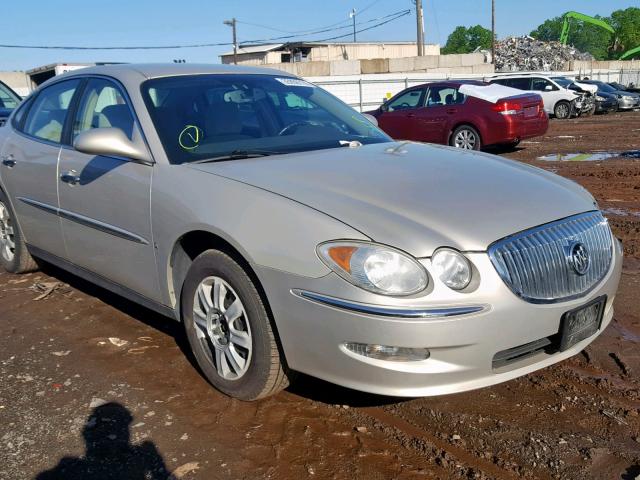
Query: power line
{"type": "Point", "coordinates": [326, 30]}
{"type": "Point", "coordinates": [386, 19]}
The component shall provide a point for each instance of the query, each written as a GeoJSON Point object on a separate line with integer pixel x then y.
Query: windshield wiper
{"type": "Point", "coordinates": [240, 155]}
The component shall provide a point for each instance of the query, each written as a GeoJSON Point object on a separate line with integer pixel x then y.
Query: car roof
{"type": "Point", "coordinates": [525, 74]}
{"type": "Point", "coordinates": [451, 83]}
{"type": "Point", "coordinates": [144, 71]}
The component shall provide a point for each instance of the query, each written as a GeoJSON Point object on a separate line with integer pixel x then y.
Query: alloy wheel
{"type": "Point", "coordinates": [222, 327]}
{"type": "Point", "coordinates": [562, 111]}
{"type": "Point", "coordinates": [465, 139]}
{"type": "Point", "coordinates": [7, 235]}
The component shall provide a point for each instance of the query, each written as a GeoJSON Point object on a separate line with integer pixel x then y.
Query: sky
{"type": "Point", "coordinates": [164, 22]}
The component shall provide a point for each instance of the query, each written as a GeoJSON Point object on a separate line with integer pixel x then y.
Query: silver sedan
{"type": "Point", "coordinates": [288, 233]}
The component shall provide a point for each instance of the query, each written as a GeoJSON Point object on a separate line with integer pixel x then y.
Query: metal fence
{"type": "Point", "coordinates": [368, 92]}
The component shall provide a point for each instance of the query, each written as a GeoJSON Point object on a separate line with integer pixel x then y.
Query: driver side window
{"type": "Point", "coordinates": [541, 84]}
{"type": "Point", "coordinates": [410, 99]}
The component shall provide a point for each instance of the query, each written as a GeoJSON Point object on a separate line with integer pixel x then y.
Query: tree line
{"type": "Point", "coordinates": [585, 37]}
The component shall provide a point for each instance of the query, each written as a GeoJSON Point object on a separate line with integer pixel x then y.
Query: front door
{"type": "Point", "coordinates": [30, 164]}
{"type": "Point", "coordinates": [105, 201]}
{"type": "Point", "coordinates": [398, 118]}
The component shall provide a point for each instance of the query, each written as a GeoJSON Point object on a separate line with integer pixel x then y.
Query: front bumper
{"type": "Point", "coordinates": [607, 106]}
{"type": "Point", "coordinates": [627, 103]}
{"type": "Point", "coordinates": [462, 346]}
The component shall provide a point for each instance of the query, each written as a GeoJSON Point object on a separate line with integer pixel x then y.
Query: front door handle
{"type": "Point", "coordinates": [9, 161]}
{"type": "Point", "coordinates": [71, 177]}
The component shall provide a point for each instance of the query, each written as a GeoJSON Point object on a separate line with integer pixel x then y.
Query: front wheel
{"type": "Point", "coordinates": [465, 137]}
{"type": "Point", "coordinates": [229, 329]}
{"type": "Point", "coordinates": [14, 256]}
{"type": "Point", "coordinates": [562, 110]}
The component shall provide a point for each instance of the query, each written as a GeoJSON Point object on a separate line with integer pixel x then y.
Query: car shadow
{"type": "Point", "coordinates": [142, 314]}
{"type": "Point", "coordinates": [328, 393]}
{"type": "Point", "coordinates": [304, 385]}
{"type": "Point", "coordinates": [109, 453]}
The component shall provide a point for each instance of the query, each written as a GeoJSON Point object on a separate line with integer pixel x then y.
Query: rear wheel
{"type": "Point", "coordinates": [466, 137]}
{"type": "Point", "coordinates": [229, 329]}
{"type": "Point", "coordinates": [14, 256]}
{"type": "Point", "coordinates": [562, 110]}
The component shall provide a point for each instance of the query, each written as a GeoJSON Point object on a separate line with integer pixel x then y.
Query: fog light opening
{"type": "Point", "coordinates": [388, 353]}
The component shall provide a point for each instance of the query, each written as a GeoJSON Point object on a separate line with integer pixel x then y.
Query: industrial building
{"type": "Point", "coordinates": [269, 54]}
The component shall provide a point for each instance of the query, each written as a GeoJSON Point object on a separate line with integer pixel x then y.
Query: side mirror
{"type": "Point", "coordinates": [384, 107]}
{"type": "Point", "coordinates": [110, 141]}
{"type": "Point", "coordinates": [371, 118]}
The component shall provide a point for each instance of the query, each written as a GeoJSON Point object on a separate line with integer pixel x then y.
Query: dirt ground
{"type": "Point", "coordinates": [93, 386]}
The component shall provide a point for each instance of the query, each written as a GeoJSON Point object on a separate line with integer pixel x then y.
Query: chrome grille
{"type": "Point", "coordinates": [536, 265]}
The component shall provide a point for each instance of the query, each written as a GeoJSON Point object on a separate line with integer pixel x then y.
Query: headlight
{"type": "Point", "coordinates": [452, 268]}
{"type": "Point", "coordinates": [599, 98]}
{"type": "Point", "coordinates": [375, 268]}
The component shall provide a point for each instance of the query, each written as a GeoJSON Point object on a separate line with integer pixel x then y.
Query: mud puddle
{"type": "Point", "coordinates": [589, 157]}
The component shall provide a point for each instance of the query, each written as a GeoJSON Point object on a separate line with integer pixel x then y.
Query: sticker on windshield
{"type": "Point", "coordinates": [190, 137]}
{"type": "Point", "coordinates": [294, 82]}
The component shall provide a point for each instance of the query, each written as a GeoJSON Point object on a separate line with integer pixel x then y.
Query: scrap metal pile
{"type": "Point", "coordinates": [528, 54]}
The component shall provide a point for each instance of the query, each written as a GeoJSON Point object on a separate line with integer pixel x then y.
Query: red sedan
{"type": "Point", "coordinates": [464, 114]}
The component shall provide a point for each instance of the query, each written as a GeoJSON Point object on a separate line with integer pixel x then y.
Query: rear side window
{"type": "Point", "coordinates": [409, 99]}
{"type": "Point", "coordinates": [442, 96]}
{"type": "Point", "coordinates": [103, 105]}
{"type": "Point", "coordinates": [20, 113]}
{"type": "Point", "coordinates": [46, 117]}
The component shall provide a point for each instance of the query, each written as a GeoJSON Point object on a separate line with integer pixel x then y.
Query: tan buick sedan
{"type": "Point", "coordinates": [288, 233]}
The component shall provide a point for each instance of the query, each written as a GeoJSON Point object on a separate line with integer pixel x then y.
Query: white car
{"type": "Point", "coordinates": [557, 99]}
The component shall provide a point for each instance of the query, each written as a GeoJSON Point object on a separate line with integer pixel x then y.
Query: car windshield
{"type": "Point", "coordinates": [603, 87]}
{"type": "Point", "coordinates": [7, 98]}
{"type": "Point", "coordinates": [202, 117]}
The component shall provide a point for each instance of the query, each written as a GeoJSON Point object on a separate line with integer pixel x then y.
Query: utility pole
{"type": "Point", "coordinates": [232, 23]}
{"type": "Point", "coordinates": [493, 31]}
{"type": "Point", "coordinates": [420, 28]}
{"type": "Point", "coordinates": [352, 15]}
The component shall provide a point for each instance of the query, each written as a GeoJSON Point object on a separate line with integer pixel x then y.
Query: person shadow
{"type": "Point", "coordinates": [109, 453]}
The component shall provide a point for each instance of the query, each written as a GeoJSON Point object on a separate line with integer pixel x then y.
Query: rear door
{"type": "Point", "coordinates": [29, 167]}
{"type": "Point", "coordinates": [399, 118]}
{"type": "Point", "coordinates": [434, 120]}
{"type": "Point", "coordinates": [105, 201]}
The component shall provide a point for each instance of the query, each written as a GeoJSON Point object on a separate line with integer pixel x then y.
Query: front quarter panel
{"type": "Point", "coordinates": [267, 229]}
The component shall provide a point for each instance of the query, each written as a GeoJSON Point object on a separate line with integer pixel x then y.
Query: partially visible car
{"type": "Point", "coordinates": [625, 88]}
{"type": "Point", "coordinates": [442, 113]}
{"type": "Point", "coordinates": [8, 101]}
{"type": "Point", "coordinates": [604, 102]}
{"type": "Point", "coordinates": [626, 100]}
{"type": "Point", "coordinates": [557, 99]}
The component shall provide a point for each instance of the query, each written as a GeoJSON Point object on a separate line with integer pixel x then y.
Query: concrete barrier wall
{"type": "Point", "coordinates": [446, 64]}
{"type": "Point", "coordinates": [17, 81]}
{"type": "Point", "coordinates": [587, 66]}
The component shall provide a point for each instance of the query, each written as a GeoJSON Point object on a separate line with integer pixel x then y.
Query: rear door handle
{"type": "Point", "coordinates": [71, 177]}
{"type": "Point", "coordinates": [9, 161]}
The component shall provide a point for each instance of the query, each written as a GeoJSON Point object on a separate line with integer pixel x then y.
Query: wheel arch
{"type": "Point", "coordinates": [465, 123]}
{"type": "Point", "coordinates": [188, 247]}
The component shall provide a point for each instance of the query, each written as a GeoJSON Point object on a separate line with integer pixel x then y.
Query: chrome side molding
{"type": "Point", "coordinates": [86, 221]}
{"type": "Point", "coordinates": [382, 311]}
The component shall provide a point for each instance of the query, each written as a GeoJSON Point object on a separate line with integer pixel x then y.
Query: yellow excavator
{"type": "Point", "coordinates": [566, 27]}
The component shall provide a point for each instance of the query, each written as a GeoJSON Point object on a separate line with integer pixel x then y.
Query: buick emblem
{"type": "Point", "coordinates": [578, 258]}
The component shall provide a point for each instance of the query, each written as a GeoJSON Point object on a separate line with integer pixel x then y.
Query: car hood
{"type": "Point", "coordinates": [413, 196]}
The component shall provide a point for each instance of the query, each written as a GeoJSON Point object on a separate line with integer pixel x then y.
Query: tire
{"type": "Point", "coordinates": [14, 256]}
{"type": "Point", "coordinates": [233, 343]}
{"type": "Point", "coordinates": [562, 110]}
{"type": "Point", "coordinates": [466, 137]}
